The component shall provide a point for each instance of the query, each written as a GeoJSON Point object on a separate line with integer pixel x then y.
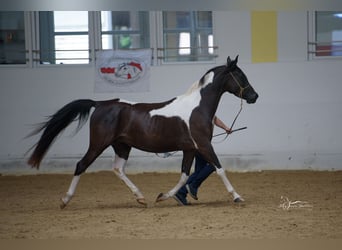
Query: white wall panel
{"type": "Point", "coordinates": [295, 124]}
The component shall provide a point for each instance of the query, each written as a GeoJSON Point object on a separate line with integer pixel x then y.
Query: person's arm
{"type": "Point", "coordinates": [221, 124]}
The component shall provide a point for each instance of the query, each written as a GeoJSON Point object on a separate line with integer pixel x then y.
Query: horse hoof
{"type": "Point", "coordinates": [161, 197]}
{"type": "Point", "coordinates": [62, 205]}
{"type": "Point", "coordinates": [142, 201]}
{"type": "Point", "coordinates": [238, 200]}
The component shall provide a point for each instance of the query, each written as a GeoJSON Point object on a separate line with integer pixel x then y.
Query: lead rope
{"type": "Point", "coordinates": [238, 113]}
{"type": "Point", "coordinates": [231, 127]}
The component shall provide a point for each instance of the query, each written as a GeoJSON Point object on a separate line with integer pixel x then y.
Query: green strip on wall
{"type": "Point", "coordinates": [264, 36]}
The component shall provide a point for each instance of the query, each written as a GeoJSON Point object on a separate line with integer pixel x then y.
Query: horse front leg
{"type": "Point", "coordinates": [209, 154]}
{"type": "Point", "coordinates": [188, 158]}
{"type": "Point", "coordinates": [119, 170]}
{"type": "Point", "coordinates": [228, 185]}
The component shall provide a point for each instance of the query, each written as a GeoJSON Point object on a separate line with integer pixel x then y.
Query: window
{"type": "Point", "coordinates": [187, 36]}
{"type": "Point", "coordinates": [36, 38]}
{"type": "Point", "coordinates": [12, 37]}
{"type": "Point", "coordinates": [64, 37]}
{"type": "Point", "coordinates": [327, 34]}
{"type": "Point", "coordinates": [125, 29]}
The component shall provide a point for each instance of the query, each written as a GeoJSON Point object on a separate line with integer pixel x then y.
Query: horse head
{"type": "Point", "coordinates": [236, 82]}
{"type": "Point", "coordinates": [130, 70]}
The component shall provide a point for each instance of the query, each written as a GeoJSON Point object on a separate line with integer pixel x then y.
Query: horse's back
{"type": "Point", "coordinates": [133, 124]}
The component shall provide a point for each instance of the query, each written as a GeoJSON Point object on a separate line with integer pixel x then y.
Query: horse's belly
{"type": "Point", "coordinates": [159, 144]}
{"type": "Point", "coordinates": [157, 133]}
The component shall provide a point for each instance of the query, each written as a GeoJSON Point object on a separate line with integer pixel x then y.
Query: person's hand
{"type": "Point", "coordinates": [228, 130]}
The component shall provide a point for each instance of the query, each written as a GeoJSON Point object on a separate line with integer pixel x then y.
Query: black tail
{"type": "Point", "coordinates": [76, 110]}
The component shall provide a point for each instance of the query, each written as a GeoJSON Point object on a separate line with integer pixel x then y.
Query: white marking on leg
{"type": "Point", "coordinates": [180, 184]}
{"type": "Point", "coordinates": [71, 190]}
{"type": "Point", "coordinates": [119, 170]}
{"type": "Point", "coordinates": [222, 174]}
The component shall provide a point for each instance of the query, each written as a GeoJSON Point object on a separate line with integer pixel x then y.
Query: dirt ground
{"type": "Point", "coordinates": [103, 207]}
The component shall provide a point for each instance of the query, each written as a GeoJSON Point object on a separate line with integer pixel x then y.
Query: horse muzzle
{"type": "Point", "coordinates": [252, 98]}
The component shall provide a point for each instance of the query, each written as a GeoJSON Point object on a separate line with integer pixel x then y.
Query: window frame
{"type": "Point", "coordinates": [37, 44]}
{"type": "Point", "coordinates": [140, 32]}
{"type": "Point", "coordinates": [156, 41]}
{"type": "Point", "coordinates": [27, 44]}
{"type": "Point", "coordinates": [312, 42]}
{"type": "Point", "coordinates": [160, 49]}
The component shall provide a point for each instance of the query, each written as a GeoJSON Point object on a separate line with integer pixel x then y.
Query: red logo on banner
{"type": "Point", "coordinates": [107, 70]}
{"type": "Point", "coordinates": [127, 70]}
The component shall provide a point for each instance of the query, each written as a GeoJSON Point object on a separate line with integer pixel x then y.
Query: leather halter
{"type": "Point", "coordinates": [238, 83]}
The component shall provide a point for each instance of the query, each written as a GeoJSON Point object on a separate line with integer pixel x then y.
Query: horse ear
{"type": "Point", "coordinates": [231, 64]}
{"type": "Point", "coordinates": [236, 58]}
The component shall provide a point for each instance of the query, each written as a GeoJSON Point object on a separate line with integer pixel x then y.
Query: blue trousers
{"type": "Point", "coordinates": [202, 170]}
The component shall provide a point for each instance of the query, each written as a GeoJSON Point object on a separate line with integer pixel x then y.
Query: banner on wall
{"type": "Point", "coordinates": [122, 70]}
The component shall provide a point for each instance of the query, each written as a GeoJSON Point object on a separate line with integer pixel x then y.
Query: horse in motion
{"type": "Point", "coordinates": [184, 123]}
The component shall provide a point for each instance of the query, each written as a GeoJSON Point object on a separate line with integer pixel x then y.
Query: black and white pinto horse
{"type": "Point", "coordinates": [184, 123]}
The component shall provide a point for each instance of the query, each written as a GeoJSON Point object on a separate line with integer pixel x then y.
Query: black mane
{"type": "Point", "coordinates": [217, 70]}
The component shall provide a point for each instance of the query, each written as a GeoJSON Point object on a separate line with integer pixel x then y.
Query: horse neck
{"type": "Point", "coordinates": [210, 99]}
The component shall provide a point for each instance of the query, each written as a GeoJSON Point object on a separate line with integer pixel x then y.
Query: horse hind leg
{"type": "Point", "coordinates": [188, 158]}
{"type": "Point", "coordinates": [182, 181]}
{"type": "Point", "coordinates": [70, 193]}
{"type": "Point", "coordinates": [81, 167]}
{"type": "Point", "coordinates": [119, 170]}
